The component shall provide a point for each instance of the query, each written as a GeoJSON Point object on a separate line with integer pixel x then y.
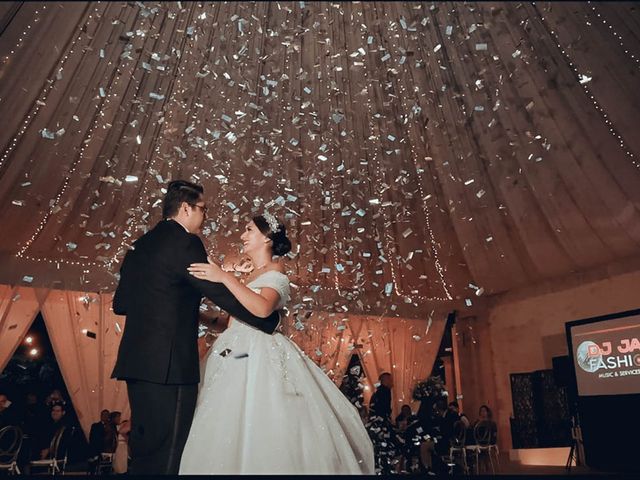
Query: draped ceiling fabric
{"type": "Point", "coordinates": [421, 153]}
{"type": "Point", "coordinates": [424, 156]}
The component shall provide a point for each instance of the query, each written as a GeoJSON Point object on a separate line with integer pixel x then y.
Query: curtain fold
{"type": "Point", "coordinates": [18, 308]}
{"type": "Point", "coordinates": [406, 348]}
{"type": "Point", "coordinates": [326, 338]}
{"type": "Point", "coordinates": [84, 334]}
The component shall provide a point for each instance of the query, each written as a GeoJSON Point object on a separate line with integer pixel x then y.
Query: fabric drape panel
{"type": "Point", "coordinates": [18, 308]}
{"type": "Point", "coordinates": [85, 340]}
{"type": "Point", "coordinates": [85, 335]}
{"type": "Point", "coordinates": [327, 340]}
{"type": "Point", "coordinates": [499, 154]}
{"type": "Point", "coordinates": [406, 348]}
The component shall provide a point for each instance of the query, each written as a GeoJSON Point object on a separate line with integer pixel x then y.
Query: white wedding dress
{"type": "Point", "coordinates": [265, 408]}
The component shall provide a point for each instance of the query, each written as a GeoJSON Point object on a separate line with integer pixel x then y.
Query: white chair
{"type": "Point", "coordinates": [10, 445]}
{"type": "Point", "coordinates": [482, 436]}
{"type": "Point", "coordinates": [105, 464]}
{"type": "Point", "coordinates": [457, 445]}
{"type": "Point", "coordinates": [54, 464]}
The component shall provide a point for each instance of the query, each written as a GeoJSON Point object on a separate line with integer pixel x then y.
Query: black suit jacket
{"type": "Point", "coordinates": [161, 301]}
{"type": "Point", "coordinates": [380, 403]}
{"type": "Point", "coordinates": [96, 438]}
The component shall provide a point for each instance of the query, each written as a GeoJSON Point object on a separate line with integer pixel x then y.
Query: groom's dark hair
{"type": "Point", "coordinates": [180, 191]}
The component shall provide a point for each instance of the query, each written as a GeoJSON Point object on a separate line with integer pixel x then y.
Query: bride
{"type": "Point", "coordinates": [264, 407]}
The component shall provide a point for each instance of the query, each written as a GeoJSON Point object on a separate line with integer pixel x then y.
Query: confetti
{"type": "Point", "coordinates": [584, 78]}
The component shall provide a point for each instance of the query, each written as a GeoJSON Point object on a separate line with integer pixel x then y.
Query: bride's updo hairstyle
{"type": "Point", "coordinates": [276, 232]}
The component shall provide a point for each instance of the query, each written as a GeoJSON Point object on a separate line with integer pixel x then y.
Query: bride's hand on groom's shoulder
{"type": "Point", "coordinates": [207, 271]}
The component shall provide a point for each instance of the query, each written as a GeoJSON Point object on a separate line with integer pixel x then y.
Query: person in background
{"type": "Point", "coordinates": [114, 424]}
{"type": "Point", "coordinates": [57, 422]}
{"type": "Point", "coordinates": [451, 416]}
{"type": "Point", "coordinates": [98, 434]}
{"type": "Point", "coordinates": [404, 418]}
{"type": "Point", "coordinates": [7, 412]}
{"type": "Point", "coordinates": [55, 397]}
{"type": "Point", "coordinates": [98, 439]}
{"type": "Point", "coordinates": [380, 403]}
{"type": "Point", "coordinates": [486, 415]}
{"type": "Point", "coordinates": [34, 417]}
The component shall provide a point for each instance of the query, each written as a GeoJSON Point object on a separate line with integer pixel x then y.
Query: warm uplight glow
{"type": "Point", "coordinates": [33, 352]}
{"type": "Point", "coordinates": [28, 340]}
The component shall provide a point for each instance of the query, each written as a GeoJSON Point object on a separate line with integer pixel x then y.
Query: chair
{"type": "Point", "coordinates": [54, 464]}
{"type": "Point", "coordinates": [457, 444]}
{"type": "Point", "coordinates": [482, 436]}
{"type": "Point", "coordinates": [10, 445]}
{"type": "Point", "coordinates": [105, 464]}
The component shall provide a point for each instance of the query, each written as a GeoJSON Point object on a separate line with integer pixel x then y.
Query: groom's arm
{"type": "Point", "coordinates": [219, 294]}
{"type": "Point", "coordinates": [121, 297]}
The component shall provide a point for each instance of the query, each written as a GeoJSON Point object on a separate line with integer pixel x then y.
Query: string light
{"type": "Point", "coordinates": [221, 192]}
{"type": "Point", "coordinates": [23, 35]}
{"type": "Point", "coordinates": [605, 118]}
{"type": "Point", "coordinates": [41, 100]}
{"type": "Point", "coordinates": [144, 195]}
{"type": "Point", "coordinates": [331, 186]}
{"type": "Point", "coordinates": [74, 165]}
{"type": "Point", "coordinates": [425, 209]}
{"type": "Point", "coordinates": [615, 34]}
{"type": "Point", "coordinates": [333, 190]}
{"type": "Point", "coordinates": [433, 242]}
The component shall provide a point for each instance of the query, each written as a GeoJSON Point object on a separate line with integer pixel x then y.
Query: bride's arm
{"type": "Point", "coordinates": [260, 305]}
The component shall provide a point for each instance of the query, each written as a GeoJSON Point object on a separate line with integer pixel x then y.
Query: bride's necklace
{"type": "Point", "coordinates": [252, 275]}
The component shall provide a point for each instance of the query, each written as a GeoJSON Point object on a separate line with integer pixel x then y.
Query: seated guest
{"type": "Point", "coordinates": [451, 416]}
{"type": "Point", "coordinates": [486, 415]}
{"type": "Point", "coordinates": [56, 422]}
{"type": "Point", "coordinates": [34, 417]}
{"type": "Point", "coordinates": [8, 414]}
{"type": "Point", "coordinates": [98, 434]}
{"type": "Point", "coordinates": [35, 414]}
{"type": "Point", "coordinates": [433, 445]}
{"type": "Point", "coordinates": [404, 418]}
{"type": "Point", "coordinates": [55, 397]}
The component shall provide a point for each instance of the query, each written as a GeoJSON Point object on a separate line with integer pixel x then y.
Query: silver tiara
{"type": "Point", "coordinates": [271, 220]}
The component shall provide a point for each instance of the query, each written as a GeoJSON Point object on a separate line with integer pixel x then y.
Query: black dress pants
{"type": "Point", "coordinates": [161, 417]}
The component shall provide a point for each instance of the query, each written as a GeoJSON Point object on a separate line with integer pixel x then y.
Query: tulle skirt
{"type": "Point", "coordinates": [265, 408]}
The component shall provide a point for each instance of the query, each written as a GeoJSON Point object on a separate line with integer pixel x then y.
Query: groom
{"type": "Point", "coordinates": [158, 354]}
